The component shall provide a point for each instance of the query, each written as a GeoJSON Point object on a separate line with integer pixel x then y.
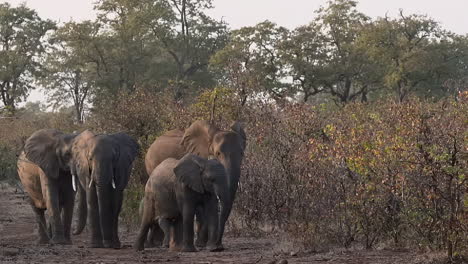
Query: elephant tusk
{"type": "Point", "coordinates": [113, 183]}
{"type": "Point", "coordinates": [210, 157]}
{"type": "Point", "coordinates": [74, 182]}
{"type": "Point", "coordinates": [90, 182]}
{"type": "Point", "coordinates": [219, 203]}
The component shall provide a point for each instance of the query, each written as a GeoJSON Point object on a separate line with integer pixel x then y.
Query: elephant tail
{"type": "Point", "coordinates": [82, 211]}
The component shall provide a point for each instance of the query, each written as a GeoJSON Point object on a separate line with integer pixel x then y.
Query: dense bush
{"type": "Point", "coordinates": [367, 172]}
{"type": "Point", "coordinates": [325, 175]}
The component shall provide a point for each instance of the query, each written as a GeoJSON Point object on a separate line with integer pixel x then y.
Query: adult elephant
{"type": "Point", "coordinates": [204, 139]}
{"type": "Point", "coordinates": [44, 171]}
{"type": "Point", "coordinates": [103, 165]}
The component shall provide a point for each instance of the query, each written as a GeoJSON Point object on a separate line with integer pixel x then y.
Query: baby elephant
{"type": "Point", "coordinates": [174, 190]}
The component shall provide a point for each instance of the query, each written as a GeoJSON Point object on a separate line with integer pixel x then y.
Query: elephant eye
{"type": "Point", "coordinates": [218, 154]}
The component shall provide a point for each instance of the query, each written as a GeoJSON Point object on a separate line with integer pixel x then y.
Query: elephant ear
{"type": "Point", "coordinates": [238, 128]}
{"type": "Point", "coordinates": [80, 153]}
{"type": "Point", "coordinates": [128, 150]}
{"type": "Point", "coordinates": [197, 138]}
{"type": "Point", "coordinates": [189, 171]}
{"type": "Point", "coordinates": [41, 149]}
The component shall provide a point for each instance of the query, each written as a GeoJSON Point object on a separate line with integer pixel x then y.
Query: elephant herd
{"type": "Point", "coordinates": [193, 179]}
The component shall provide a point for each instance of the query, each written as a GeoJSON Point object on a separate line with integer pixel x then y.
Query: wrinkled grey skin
{"type": "Point", "coordinates": [175, 189]}
{"type": "Point", "coordinates": [44, 171]}
{"type": "Point", "coordinates": [103, 164]}
{"type": "Point", "coordinates": [204, 139]}
{"type": "Point", "coordinates": [155, 236]}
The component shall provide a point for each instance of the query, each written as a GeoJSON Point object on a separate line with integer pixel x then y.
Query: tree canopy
{"type": "Point", "coordinates": [22, 42]}
{"type": "Point", "coordinates": [341, 56]}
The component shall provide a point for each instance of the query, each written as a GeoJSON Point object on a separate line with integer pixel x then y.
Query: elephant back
{"type": "Point", "coordinates": [165, 146]}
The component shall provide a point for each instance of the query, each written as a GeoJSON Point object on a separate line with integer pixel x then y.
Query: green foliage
{"type": "Point", "coordinates": [410, 49]}
{"type": "Point", "coordinates": [22, 34]}
{"type": "Point", "coordinates": [73, 66]}
{"type": "Point", "coordinates": [219, 105]}
{"type": "Point", "coordinates": [161, 42]}
{"type": "Point", "coordinates": [7, 164]}
{"type": "Point", "coordinates": [304, 51]}
{"type": "Point", "coordinates": [250, 62]}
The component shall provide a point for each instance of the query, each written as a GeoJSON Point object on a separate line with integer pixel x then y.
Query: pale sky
{"type": "Point", "coordinates": [289, 13]}
{"type": "Point", "coordinates": [452, 14]}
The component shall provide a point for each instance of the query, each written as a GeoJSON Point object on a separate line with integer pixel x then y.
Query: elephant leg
{"type": "Point", "coordinates": [93, 217]}
{"type": "Point", "coordinates": [53, 210]}
{"type": "Point", "coordinates": [146, 222]}
{"type": "Point", "coordinates": [42, 226]}
{"type": "Point", "coordinates": [68, 203]}
{"type": "Point", "coordinates": [176, 234]}
{"type": "Point", "coordinates": [49, 228]}
{"type": "Point", "coordinates": [106, 215]}
{"type": "Point", "coordinates": [202, 230]}
{"type": "Point", "coordinates": [188, 215]}
{"type": "Point", "coordinates": [156, 237]}
{"type": "Point", "coordinates": [118, 199]}
{"type": "Point", "coordinates": [150, 237]}
{"type": "Point", "coordinates": [164, 228]}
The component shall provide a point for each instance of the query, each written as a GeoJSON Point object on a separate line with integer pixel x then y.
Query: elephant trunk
{"type": "Point", "coordinates": [82, 210]}
{"type": "Point", "coordinates": [232, 166]}
{"type": "Point", "coordinates": [103, 176]}
{"type": "Point", "coordinates": [222, 193]}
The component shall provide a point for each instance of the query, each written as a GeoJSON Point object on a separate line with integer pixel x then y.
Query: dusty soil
{"type": "Point", "coordinates": [18, 235]}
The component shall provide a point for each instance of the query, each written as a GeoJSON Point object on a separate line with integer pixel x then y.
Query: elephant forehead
{"type": "Point", "coordinates": [226, 137]}
{"type": "Point", "coordinates": [103, 143]}
{"type": "Point", "coordinates": [214, 166]}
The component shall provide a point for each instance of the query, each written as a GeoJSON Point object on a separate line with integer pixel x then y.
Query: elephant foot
{"type": "Point", "coordinates": [150, 244]}
{"type": "Point", "coordinates": [200, 243]}
{"type": "Point", "coordinates": [68, 240]}
{"type": "Point", "coordinates": [190, 248]}
{"type": "Point", "coordinates": [42, 241]}
{"type": "Point", "coordinates": [165, 244]}
{"type": "Point", "coordinates": [138, 246]}
{"type": "Point", "coordinates": [174, 248]}
{"type": "Point", "coordinates": [112, 244]}
{"type": "Point", "coordinates": [96, 244]}
{"type": "Point", "coordinates": [117, 245]}
{"type": "Point", "coordinates": [215, 248]}
{"type": "Point", "coordinates": [59, 241]}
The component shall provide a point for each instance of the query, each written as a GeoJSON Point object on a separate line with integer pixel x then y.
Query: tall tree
{"type": "Point", "coordinates": [403, 47]}
{"type": "Point", "coordinates": [305, 54]}
{"type": "Point", "coordinates": [22, 42]}
{"type": "Point", "coordinates": [173, 37]}
{"type": "Point", "coordinates": [350, 71]}
{"type": "Point", "coordinates": [251, 62]}
{"type": "Point", "coordinates": [73, 66]}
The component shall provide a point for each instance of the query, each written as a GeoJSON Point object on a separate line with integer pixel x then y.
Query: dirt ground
{"type": "Point", "coordinates": [18, 235]}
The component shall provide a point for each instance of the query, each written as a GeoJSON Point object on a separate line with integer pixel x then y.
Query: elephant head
{"type": "Point", "coordinates": [50, 149]}
{"type": "Point", "coordinates": [204, 139]}
{"type": "Point", "coordinates": [205, 176]}
{"type": "Point", "coordinates": [111, 154]}
{"type": "Point", "coordinates": [103, 164]}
